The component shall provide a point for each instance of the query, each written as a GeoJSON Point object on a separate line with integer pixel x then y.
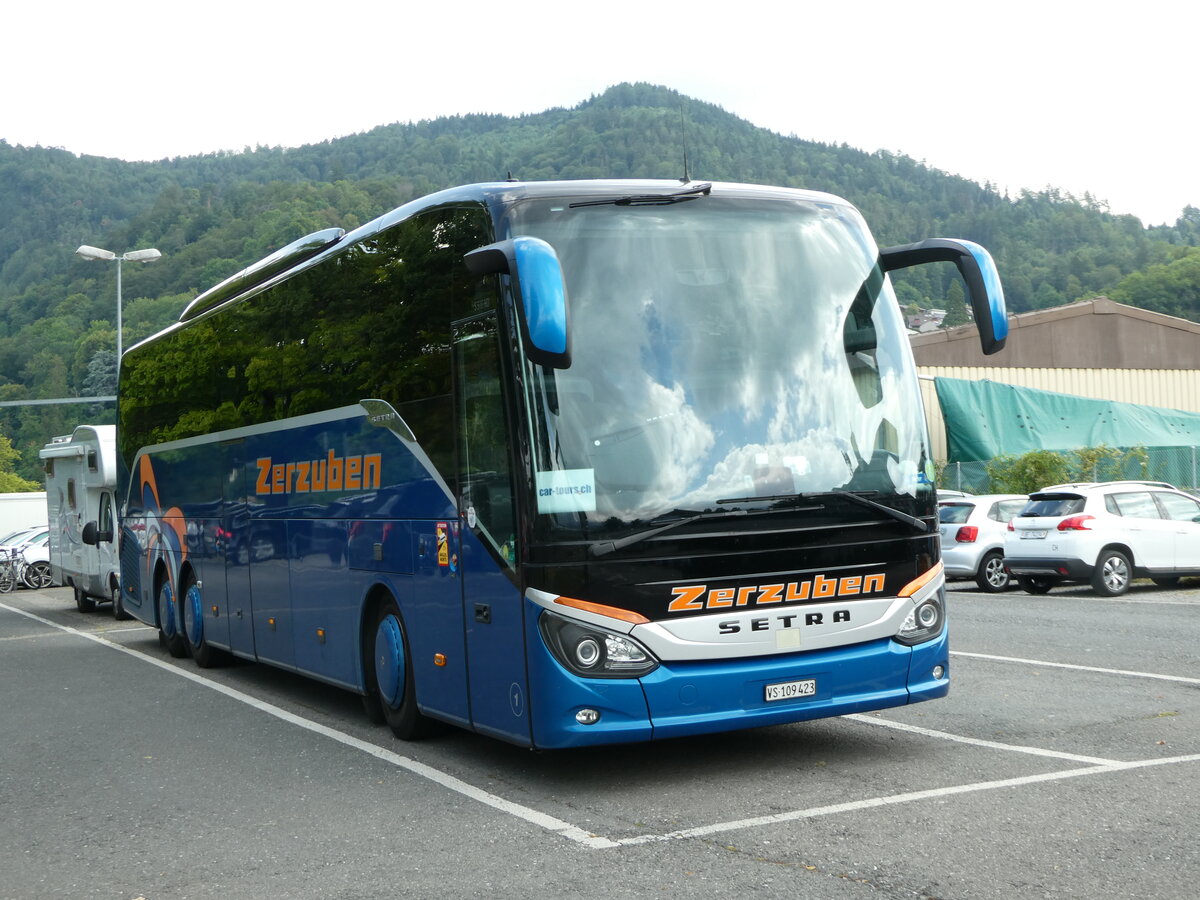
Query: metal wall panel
{"type": "Point", "coordinates": [1164, 388]}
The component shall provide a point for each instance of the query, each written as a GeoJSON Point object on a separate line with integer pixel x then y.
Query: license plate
{"type": "Point", "coordinates": [789, 690]}
{"type": "Point", "coordinates": [1035, 535]}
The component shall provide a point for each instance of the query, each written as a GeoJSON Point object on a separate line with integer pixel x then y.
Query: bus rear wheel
{"type": "Point", "coordinates": [389, 675]}
{"type": "Point", "coordinates": [170, 635]}
{"type": "Point", "coordinates": [205, 654]}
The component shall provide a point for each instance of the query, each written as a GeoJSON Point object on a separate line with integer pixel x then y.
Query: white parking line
{"type": "Point", "coordinates": [991, 745]}
{"type": "Point", "coordinates": [532, 816]}
{"type": "Point", "coordinates": [875, 802]}
{"type": "Point", "coordinates": [1181, 679]}
{"type": "Point", "coordinates": [597, 842]}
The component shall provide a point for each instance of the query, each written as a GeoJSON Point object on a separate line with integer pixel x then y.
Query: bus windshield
{"type": "Point", "coordinates": [727, 353]}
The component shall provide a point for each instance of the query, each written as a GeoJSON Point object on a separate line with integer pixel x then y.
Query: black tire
{"type": "Point", "coordinates": [192, 609]}
{"type": "Point", "coordinates": [118, 604]}
{"type": "Point", "coordinates": [1034, 585]}
{"type": "Point", "coordinates": [83, 602]}
{"type": "Point", "coordinates": [992, 577]}
{"type": "Point", "coordinates": [170, 635]}
{"type": "Point", "coordinates": [388, 672]}
{"type": "Point", "coordinates": [1169, 581]}
{"type": "Point", "coordinates": [37, 575]}
{"type": "Point", "coordinates": [1112, 574]}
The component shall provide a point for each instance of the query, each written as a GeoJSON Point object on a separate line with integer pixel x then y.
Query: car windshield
{"type": "Point", "coordinates": [727, 352]}
{"type": "Point", "coordinates": [954, 513]}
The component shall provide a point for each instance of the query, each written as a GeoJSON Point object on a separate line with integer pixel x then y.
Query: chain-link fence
{"type": "Point", "coordinates": [1179, 466]}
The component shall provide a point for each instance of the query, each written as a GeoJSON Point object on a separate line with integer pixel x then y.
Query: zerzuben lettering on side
{"type": "Point", "coordinates": [333, 473]}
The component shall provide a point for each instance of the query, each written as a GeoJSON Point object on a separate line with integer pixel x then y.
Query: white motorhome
{"type": "Point", "coordinates": [81, 474]}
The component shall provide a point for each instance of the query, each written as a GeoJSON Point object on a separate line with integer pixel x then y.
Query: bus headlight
{"type": "Point", "coordinates": [594, 652]}
{"type": "Point", "coordinates": [925, 621]}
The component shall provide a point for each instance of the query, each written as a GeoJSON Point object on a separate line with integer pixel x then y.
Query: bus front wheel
{"type": "Point", "coordinates": [389, 675]}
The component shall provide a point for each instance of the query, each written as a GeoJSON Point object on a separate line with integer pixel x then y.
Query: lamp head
{"type": "Point", "coordinates": [96, 253]}
{"type": "Point", "coordinates": [148, 255]}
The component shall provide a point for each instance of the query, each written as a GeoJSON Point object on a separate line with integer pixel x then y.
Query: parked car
{"type": "Point", "coordinates": [22, 536]}
{"type": "Point", "coordinates": [34, 544]}
{"type": "Point", "coordinates": [973, 530]}
{"type": "Point", "coordinates": [1105, 534]}
{"type": "Point", "coordinates": [947, 494]}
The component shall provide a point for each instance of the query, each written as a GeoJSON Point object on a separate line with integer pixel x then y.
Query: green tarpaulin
{"type": "Point", "coordinates": [985, 419]}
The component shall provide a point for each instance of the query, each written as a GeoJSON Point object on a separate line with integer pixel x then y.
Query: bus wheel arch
{"type": "Point", "coordinates": [390, 689]}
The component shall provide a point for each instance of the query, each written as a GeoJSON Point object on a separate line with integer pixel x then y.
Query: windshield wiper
{"type": "Point", "coordinates": [848, 495]}
{"type": "Point", "coordinates": [691, 193]}
{"type": "Point", "coordinates": [603, 548]}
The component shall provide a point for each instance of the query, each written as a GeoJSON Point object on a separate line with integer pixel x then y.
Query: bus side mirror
{"type": "Point", "coordinates": [93, 536]}
{"type": "Point", "coordinates": [978, 270]}
{"type": "Point", "coordinates": [541, 293]}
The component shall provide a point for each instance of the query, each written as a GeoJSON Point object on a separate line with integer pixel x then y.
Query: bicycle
{"type": "Point", "coordinates": [15, 570]}
{"type": "Point", "coordinates": [8, 574]}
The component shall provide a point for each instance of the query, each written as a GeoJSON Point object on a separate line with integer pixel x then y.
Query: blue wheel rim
{"type": "Point", "coordinates": [389, 661]}
{"type": "Point", "coordinates": [193, 614]}
{"type": "Point", "coordinates": [166, 610]}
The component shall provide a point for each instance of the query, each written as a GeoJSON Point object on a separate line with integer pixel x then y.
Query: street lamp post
{"type": "Point", "coordinates": [147, 255]}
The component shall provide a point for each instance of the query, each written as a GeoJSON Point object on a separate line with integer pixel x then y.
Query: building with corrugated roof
{"type": "Point", "coordinates": [1097, 348]}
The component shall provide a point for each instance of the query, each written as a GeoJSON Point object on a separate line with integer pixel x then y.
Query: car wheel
{"type": "Point", "coordinates": [37, 575]}
{"type": "Point", "coordinates": [992, 577]}
{"type": "Point", "coordinates": [1112, 573]}
{"type": "Point", "coordinates": [1035, 585]}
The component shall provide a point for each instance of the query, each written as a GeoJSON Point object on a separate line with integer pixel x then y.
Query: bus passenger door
{"type": "Point", "coordinates": [493, 606]}
{"type": "Point", "coordinates": [235, 528]}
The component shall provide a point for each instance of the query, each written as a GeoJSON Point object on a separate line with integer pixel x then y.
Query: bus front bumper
{"type": "Point", "coordinates": [687, 698]}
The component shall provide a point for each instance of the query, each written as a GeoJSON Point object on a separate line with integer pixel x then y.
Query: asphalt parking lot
{"type": "Point", "coordinates": [1065, 763]}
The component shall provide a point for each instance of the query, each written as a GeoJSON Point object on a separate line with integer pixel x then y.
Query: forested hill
{"type": "Point", "coordinates": [211, 215]}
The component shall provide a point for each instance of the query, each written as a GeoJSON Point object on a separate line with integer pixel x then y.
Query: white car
{"type": "Point", "coordinates": [35, 548]}
{"type": "Point", "coordinates": [1105, 534]}
{"type": "Point", "coordinates": [23, 535]}
{"type": "Point", "coordinates": [973, 530]}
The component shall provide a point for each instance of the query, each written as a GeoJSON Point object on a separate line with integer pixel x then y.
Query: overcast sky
{"type": "Point", "coordinates": [1082, 96]}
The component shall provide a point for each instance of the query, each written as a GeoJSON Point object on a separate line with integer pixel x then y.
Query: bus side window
{"type": "Point", "coordinates": [486, 478]}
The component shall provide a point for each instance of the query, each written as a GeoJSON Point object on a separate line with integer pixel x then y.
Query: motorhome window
{"type": "Point", "coordinates": [92, 461]}
{"type": "Point", "coordinates": [71, 492]}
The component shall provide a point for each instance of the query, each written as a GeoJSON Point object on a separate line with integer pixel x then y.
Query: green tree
{"type": "Point", "coordinates": [1029, 472]}
{"type": "Point", "coordinates": [10, 481]}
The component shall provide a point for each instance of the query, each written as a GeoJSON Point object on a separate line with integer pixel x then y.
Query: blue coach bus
{"type": "Point", "coordinates": [563, 463]}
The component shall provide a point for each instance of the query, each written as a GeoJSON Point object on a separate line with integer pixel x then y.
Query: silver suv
{"type": "Point", "coordinates": [1104, 534]}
